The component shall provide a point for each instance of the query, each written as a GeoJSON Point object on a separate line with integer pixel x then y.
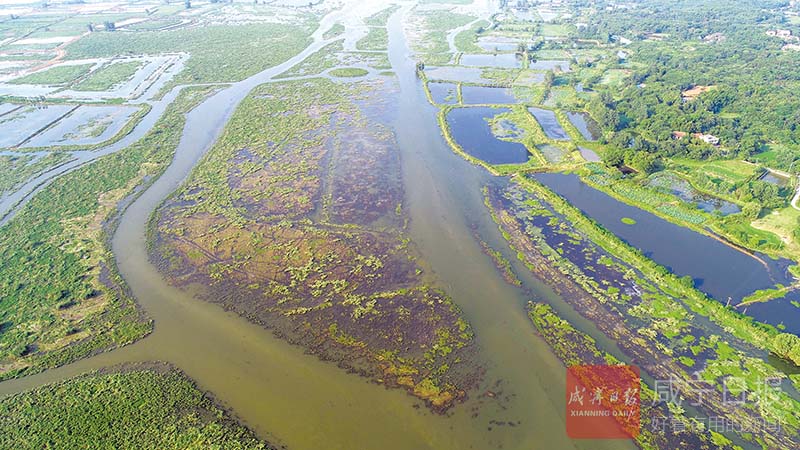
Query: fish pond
{"type": "Point", "coordinates": [549, 122]}
{"type": "Point", "coordinates": [500, 60]}
{"type": "Point", "coordinates": [444, 93]}
{"type": "Point", "coordinates": [484, 95]}
{"type": "Point", "coordinates": [717, 269]}
{"type": "Point", "coordinates": [472, 131]}
{"type": "Point", "coordinates": [585, 124]}
{"type": "Point", "coordinates": [460, 74]}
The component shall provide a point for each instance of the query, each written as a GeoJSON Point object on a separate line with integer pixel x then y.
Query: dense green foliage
{"type": "Point", "coordinates": [747, 82]}
{"type": "Point", "coordinates": [61, 297]}
{"type": "Point", "coordinates": [138, 408]}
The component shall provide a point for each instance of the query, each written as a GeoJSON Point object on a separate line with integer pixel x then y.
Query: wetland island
{"type": "Point", "coordinates": [411, 224]}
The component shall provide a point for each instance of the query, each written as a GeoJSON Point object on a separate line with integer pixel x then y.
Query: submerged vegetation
{"type": "Point", "coordinates": [300, 230]}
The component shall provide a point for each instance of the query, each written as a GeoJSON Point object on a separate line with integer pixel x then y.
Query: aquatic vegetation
{"type": "Point", "coordinates": [646, 311]}
{"type": "Point", "coordinates": [574, 347]}
{"type": "Point", "coordinates": [335, 31]}
{"type": "Point", "coordinates": [348, 72]}
{"type": "Point", "coordinates": [628, 221]}
{"type": "Point", "coordinates": [138, 406]}
{"type": "Point", "coordinates": [293, 220]}
{"type": "Point", "coordinates": [82, 306]}
{"type": "Point", "coordinates": [466, 40]}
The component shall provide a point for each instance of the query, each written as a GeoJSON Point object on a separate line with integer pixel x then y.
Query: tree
{"type": "Point", "coordinates": [787, 346]}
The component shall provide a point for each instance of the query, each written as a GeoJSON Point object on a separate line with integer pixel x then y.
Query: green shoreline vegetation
{"type": "Point", "coordinates": [83, 306]}
{"type": "Point", "coordinates": [137, 406]}
{"type": "Point", "coordinates": [108, 76]}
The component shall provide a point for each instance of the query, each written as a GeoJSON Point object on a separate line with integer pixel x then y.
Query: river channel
{"type": "Point", "coordinates": [294, 399]}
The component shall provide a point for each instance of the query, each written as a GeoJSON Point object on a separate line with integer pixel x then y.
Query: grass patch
{"type": "Point", "coordinates": [137, 408]}
{"type": "Point", "coordinates": [108, 76]}
{"type": "Point", "coordinates": [377, 39]}
{"type": "Point", "coordinates": [348, 72]}
{"type": "Point", "coordinates": [56, 76]}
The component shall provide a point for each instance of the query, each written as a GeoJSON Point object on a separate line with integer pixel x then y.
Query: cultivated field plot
{"type": "Point", "coordinates": [18, 126]}
{"type": "Point", "coordinates": [87, 125]}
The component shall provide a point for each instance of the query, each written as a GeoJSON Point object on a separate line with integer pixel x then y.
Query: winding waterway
{"type": "Point", "coordinates": [295, 399]}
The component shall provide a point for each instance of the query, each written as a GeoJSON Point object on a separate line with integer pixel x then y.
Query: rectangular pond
{"type": "Point", "coordinates": [717, 269]}
{"type": "Point", "coordinates": [500, 60]}
{"type": "Point", "coordinates": [544, 64]}
{"type": "Point", "coordinates": [549, 122]}
{"type": "Point", "coordinates": [484, 95]}
{"type": "Point", "coordinates": [6, 108]}
{"type": "Point", "coordinates": [551, 153]}
{"type": "Point", "coordinates": [472, 131]}
{"type": "Point", "coordinates": [87, 125]}
{"type": "Point", "coordinates": [589, 154]}
{"type": "Point", "coordinates": [19, 125]}
{"type": "Point", "coordinates": [444, 93]}
{"type": "Point", "coordinates": [585, 125]}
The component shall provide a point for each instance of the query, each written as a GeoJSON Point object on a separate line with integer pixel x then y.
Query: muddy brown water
{"type": "Point", "coordinates": [295, 399]}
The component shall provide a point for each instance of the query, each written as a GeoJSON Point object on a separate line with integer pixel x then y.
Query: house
{"type": "Point", "coordinates": [707, 138]}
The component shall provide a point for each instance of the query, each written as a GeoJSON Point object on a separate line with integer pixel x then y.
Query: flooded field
{"type": "Point", "coordinates": [484, 95]}
{"type": "Point", "coordinates": [683, 251]}
{"type": "Point", "coordinates": [20, 125]}
{"type": "Point", "coordinates": [500, 60]}
{"type": "Point", "coordinates": [87, 125]}
{"type": "Point", "coordinates": [5, 108]}
{"type": "Point", "coordinates": [549, 123]}
{"type": "Point", "coordinates": [471, 129]}
{"type": "Point", "coordinates": [585, 124]}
